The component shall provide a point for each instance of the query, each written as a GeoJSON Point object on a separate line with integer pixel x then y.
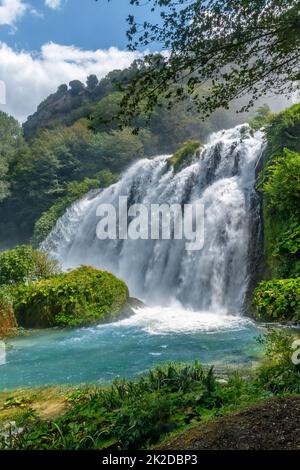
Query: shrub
{"type": "Point", "coordinates": [278, 300]}
{"type": "Point", "coordinates": [184, 154]}
{"type": "Point", "coordinates": [85, 296]}
{"type": "Point", "coordinates": [283, 184]}
{"type": "Point", "coordinates": [279, 374]}
{"type": "Point", "coordinates": [24, 264]}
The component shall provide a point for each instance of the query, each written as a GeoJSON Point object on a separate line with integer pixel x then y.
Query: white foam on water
{"type": "Point", "coordinates": [178, 320]}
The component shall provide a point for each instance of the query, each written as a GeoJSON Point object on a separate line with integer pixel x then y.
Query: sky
{"type": "Point", "coordinates": [44, 43]}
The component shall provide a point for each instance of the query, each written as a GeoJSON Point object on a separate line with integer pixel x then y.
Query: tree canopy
{"type": "Point", "coordinates": [10, 140]}
{"type": "Point", "coordinates": [214, 51]}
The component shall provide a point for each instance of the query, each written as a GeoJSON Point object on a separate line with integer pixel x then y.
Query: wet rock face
{"type": "Point", "coordinates": [255, 257]}
{"type": "Point", "coordinates": [129, 307]}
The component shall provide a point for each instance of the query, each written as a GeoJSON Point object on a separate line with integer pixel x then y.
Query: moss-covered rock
{"type": "Point", "coordinates": [85, 296]}
{"type": "Point", "coordinates": [277, 300]}
{"type": "Point", "coordinates": [185, 154]}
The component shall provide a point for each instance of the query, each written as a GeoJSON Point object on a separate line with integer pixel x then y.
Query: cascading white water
{"type": "Point", "coordinates": [161, 271]}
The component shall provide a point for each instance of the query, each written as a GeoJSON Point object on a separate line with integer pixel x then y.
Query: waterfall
{"type": "Point", "coordinates": [214, 278]}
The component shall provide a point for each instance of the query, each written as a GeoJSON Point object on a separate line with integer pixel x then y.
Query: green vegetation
{"type": "Point", "coordinates": [8, 324]}
{"type": "Point", "coordinates": [185, 154]}
{"type": "Point", "coordinates": [279, 184]}
{"type": "Point", "coordinates": [283, 183]}
{"type": "Point", "coordinates": [278, 300]}
{"type": "Point", "coordinates": [281, 202]}
{"type": "Point", "coordinates": [283, 132]}
{"type": "Point", "coordinates": [24, 264]}
{"type": "Point", "coordinates": [21, 266]}
{"type": "Point", "coordinates": [85, 296]}
{"type": "Point", "coordinates": [220, 51]}
{"type": "Point", "coordinates": [10, 141]}
{"type": "Point", "coordinates": [139, 414]}
{"type": "Point", "coordinates": [34, 294]}
{"type": "Point", "coordinates": [262, 117]}
{"type": "Point", "coordinates": [42, 171]}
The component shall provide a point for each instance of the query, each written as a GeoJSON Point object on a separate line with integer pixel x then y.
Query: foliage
{"type": "Point", "coordinates": [8, 323]}
{"type": "Point", "coordinates": [24, 264]}
{"type": "Point", "coordinates": [41, 174]}
{"type": "Point", "coordinates": [128, 414]}
{"type": "Point", "coordinates": [5, 298]}
{"type": "Point", "coordinates": [283, 183]}
{"type": "Point", "coordinates": [263, 116]}
{"type": "Point", "coordinates": [290, 241]}
{"type": "Point", "coordinates": [139, 414]}
{"type": "Point", "coordinates": [75, 191]}
{"type": "Point", "coordinates": [76, 87]}
{"type": "Point", "coordinates": [85, 296]}
{"type": "Point", "coordinates": [279, 374]}
{"type": "Point", "coordinates": [283, 132]}
{"type": "Point", "coordinates": [104, 111]}
{"type": "Point", "coordinates": [185, 154]}
{"type": "Point", "coordinates": [217, 52]}
{"type": "Point", "coordinates": [278, 300]}
{"type": "Point", "coordinates": [127, 146]}
{"type": "Point", "coordinates": [279, 184]}
{"type": "Point", "coordinates": [10, 141]}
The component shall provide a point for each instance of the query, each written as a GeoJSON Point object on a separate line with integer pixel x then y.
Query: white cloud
{"type": "Point", "coordinates": [30, 77]}
{"type": "Point", "coordinates": [11, 11]}
{"type": "Point", "coordinates": [54, 4]}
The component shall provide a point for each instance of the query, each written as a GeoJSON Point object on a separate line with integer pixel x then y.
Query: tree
{"type": "Point", "coordinates": [91, 82]}
{"type": "Point", "coordinates": [10, 140]}
{"type": "Point", "coordinates": [104, 111]}
{"type": "Point", "coordinates": [76, 87]}
{"type": "Point", "coordinates": [62, 89]}
{"type": "Point", "coordinates": [216, 51]}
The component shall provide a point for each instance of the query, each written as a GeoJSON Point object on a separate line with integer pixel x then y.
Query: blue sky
{"type": "Point", "coordinates": [44, 43]}
{"type": "Point", "coordinates": [85, 23]}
